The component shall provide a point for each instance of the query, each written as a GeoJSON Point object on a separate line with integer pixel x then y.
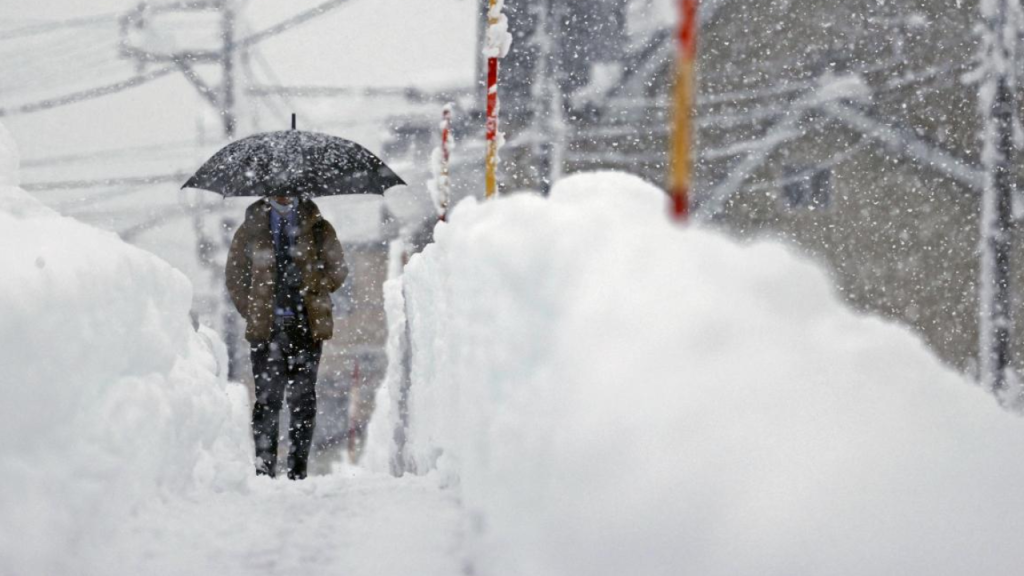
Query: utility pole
{"type": "Point", "coordinates": [227, 98]}
{"type": "Point", "coordinates": [680, 155]}
{"type": "Point", "coordinates": [549, 129]}
{"type": "Point", "coordinates": [227, 224]}
{"type": "Point", "coordinates": [496, 46]}
{"type": "Point", "coordinates": [996, 102]}
{"type": "Point", "coordinates": [222, 97]}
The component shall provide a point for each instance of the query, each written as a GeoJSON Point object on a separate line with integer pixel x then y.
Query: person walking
{"type": "Point", "coordinates": [285, 261]}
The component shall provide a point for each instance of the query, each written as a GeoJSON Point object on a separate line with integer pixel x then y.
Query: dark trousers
{"type": "Point", "coordinates": [287, 362]}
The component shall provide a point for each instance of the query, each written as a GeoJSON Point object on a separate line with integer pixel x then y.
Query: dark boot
{"type": "Point", "coordinates": [265, 465]}
{"type": "Point", "coordinates": [296, 468]}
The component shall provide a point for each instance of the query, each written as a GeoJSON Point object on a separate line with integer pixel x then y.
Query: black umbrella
{"type": "Point", "coordinates": [294, 163]}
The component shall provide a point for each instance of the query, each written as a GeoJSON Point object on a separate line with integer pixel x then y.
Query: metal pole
{"type": "Point", "coordinates": [549, 130]}
{"type": "Point", "coordinates": [997, 226]}
{"type": "Point", "coordinates": [680, 161]}
{"type": "Point", "coordinates": [231, 341]}
{"type": "Point", "coordinates": [227, 112]}
{"type": "Point", "coordinates": [491, 178]}
{"type": "Point", "coordinates": [556, 103]}
{"type": "Point", "coordinates": [997, 103]}
{"type": "Point", "coordinates": [444, 182]}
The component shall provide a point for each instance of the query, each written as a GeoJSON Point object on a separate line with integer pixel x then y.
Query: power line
{"type": "Point", "coordinates": [41, 48]}
{"type": "Point", "coordinates": [59, 25]}
{"type": "Point", "coordinates": [105, 182]}
{"type": "Point", "coordinates": [271, 75]}
{"type": "Point", "coordinates": [292, 22]}
{"type": "Point", "coordinates": [155, 221]}
{"type": "Point", "coordinates": [65, 78]}
{"type": "Point", "coordinates": [128, 151]}
{"type": "Point", "coordinates": [155, 74]}
{"type": "Point", "coordinates": [64, 61]}
{"type": "Point", "coordinates": [91, 200]}
{"type": "Point", "coordinates": [88, 94]}
{"type": "Point", "coordinates": [409, 93]}
{"type": "Point", "coordinates": [34, 65]}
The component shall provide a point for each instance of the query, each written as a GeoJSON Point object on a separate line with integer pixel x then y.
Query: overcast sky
{"type": "Point", "coordinates": [425, 43]}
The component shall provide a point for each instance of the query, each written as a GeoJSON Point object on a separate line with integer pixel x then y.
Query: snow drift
{"type": "Point", "coordinates": [616, 395]}
{"type": "Point", "coordinates": [110, 397]}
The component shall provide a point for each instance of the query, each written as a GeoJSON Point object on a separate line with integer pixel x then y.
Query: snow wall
{"type": "Point", "coordinates": [109, 396]}
{"type": "Point", "coordinates": [616, 395]}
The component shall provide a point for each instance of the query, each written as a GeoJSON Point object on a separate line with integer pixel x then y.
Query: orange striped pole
{"type": "Point", "coordinates": [491, 178]}
{"type": "Point", "coordinates": [681, 160]}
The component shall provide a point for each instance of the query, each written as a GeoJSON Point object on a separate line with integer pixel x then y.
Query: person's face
{"type": "Point", "coordinates": [283, 200]}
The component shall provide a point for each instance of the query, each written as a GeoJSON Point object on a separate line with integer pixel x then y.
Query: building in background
{"type": "Point", "coordinates": [844, 127]}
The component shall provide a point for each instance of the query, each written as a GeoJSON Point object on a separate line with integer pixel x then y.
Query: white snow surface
{"type": "Point", "coordinates": [122, 452]}
{"type": "Point", "coordinates": [348, 523]}
{"type": "Point", "coordinates": [111, 397]}
{"type": "Point", "coordinates": [9, 159]}
{"type": "Point", "coordinates": [615, 394]}
{"type": "Point", "coordinates": [498, 40]}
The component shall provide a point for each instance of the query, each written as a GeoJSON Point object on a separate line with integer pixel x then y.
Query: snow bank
{"type": "Point", "coordinates": [8, 159]}
{"type": "Point", "coordinates": [110, 397]}
{"type": "Point", "coordinates": [615, 395]}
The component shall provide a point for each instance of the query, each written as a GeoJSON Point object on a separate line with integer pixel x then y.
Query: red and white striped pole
{"type": "Point", "coordinates": [681, 161]}
{"type": "Point", "coordinates": [496, 46]}
{"type": "Point", "coordinates": [444, 183]}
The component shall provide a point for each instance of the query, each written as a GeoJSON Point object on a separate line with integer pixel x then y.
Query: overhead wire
{"type": "Point", "coordinates": [58, 49]}
{"type": "Point", "coordinates": [155, 220]}
{"type": "Point", "coordinates": [110, 88]}
{"type": "Point", "coordinates": [67, 61]}
{"type": "Point", "coordinates": [29, 61]}
{"type": "Point", "coordinates": [288, 24]}
{"type": "Point", "coordinates": [57, 25]}
{"type": "Point", "coordinates": [89, 94]}
{"type": "Point", "coordinates": [105, 182]}
{"type": "Point", "coordinates": [126, 152]}
{"type": "Point", "coordinates": [43, 48]}
{"type": "Point", "coordinates": [71, 60]}
{"type": "Point", "coordinates": [254, 53]}
{"type": "Point", "coordinates": [69, 78]}
{"type": "Point", "coordinates": [288, 103]}
{"type": "Point", "coordinates": [68, 206]}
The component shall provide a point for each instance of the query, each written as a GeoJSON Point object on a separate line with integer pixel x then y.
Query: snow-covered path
{"type": "Point", "coordinates": [349, 523]}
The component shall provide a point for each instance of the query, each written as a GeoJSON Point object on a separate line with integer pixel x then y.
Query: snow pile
{"type": "Point", "coordinates": [380, 453]}
{"type": "Point", "coordinates": [498, 40]}
{"type": "Point", "coordinates": [8, 159]}
{"type": "Point", "coordinates": [110, 397]}
{"type": "Point", "coordinates": [616, 395]}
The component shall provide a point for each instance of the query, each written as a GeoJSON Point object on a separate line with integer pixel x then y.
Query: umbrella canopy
{"type": "Point", "coordinates": [294, 163]}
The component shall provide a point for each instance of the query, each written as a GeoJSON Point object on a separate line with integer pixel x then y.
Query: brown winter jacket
{"type": "Point", "coordinates": [251, 270]}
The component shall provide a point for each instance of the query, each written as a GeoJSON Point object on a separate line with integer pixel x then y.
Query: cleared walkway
{"type": "Point", "coordinates": [349, 523]}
